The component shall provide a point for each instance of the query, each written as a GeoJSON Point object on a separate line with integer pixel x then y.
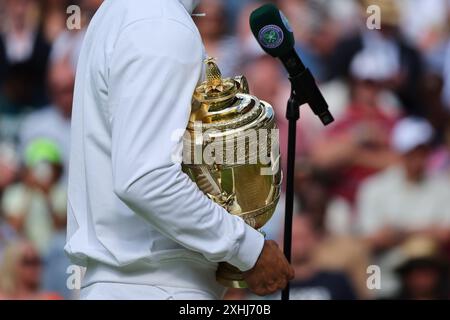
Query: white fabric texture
{"type": "Point", "coordinates": [115, 291]}
{"type": "Point", "coordinates": [129, 204]}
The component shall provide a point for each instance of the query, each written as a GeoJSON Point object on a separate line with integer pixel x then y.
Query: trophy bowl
{"type": "Point", "coordinates": [231, 151]}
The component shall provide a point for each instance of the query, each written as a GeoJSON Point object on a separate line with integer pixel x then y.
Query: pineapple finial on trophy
{"type": "Point", "coordinates": [213, 76]}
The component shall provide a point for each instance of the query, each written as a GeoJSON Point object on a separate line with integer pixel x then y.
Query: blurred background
{"type": "Point", "coordinates": [373, 189]}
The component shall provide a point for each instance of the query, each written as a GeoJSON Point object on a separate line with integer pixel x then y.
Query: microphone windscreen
{"type": "Point", "coordinates": [272, 30]}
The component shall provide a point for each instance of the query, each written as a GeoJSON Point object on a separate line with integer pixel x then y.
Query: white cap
{"type": "Point", "coordinates": [375, 65]}
{"type": "Point", "coordinates": [411, 132]}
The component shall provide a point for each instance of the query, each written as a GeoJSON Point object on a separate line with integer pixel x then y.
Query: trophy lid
{"type": "Point", "coordinates": [224, 103]}
{"type": "Point", "coordinates": [216, 91]}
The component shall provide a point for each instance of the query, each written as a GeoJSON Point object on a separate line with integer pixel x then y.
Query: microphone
{"type": "Point", "coordinates": [274, 34]}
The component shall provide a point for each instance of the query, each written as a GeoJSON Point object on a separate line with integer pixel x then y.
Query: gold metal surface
{"type": "Point", "coordinates": [223, 117]}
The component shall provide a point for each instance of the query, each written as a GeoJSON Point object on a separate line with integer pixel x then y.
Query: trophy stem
{"type": "Point", "coordinates": [229, 276]}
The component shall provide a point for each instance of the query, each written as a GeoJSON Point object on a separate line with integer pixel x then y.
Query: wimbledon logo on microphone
{"type": "Point", "coordinates": [271, 36]}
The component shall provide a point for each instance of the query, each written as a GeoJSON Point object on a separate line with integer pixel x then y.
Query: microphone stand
{"type": "Point", "coordinates": [292, 115]}
{"type": "Point", "coordinates": [309, 93]}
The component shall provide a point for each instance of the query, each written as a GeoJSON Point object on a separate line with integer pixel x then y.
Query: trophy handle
{"type": "Point", "coordinates": [242, 84]}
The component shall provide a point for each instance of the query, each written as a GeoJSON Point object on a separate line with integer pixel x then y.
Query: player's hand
{"type": "Point", "coordinates": [271, 272]}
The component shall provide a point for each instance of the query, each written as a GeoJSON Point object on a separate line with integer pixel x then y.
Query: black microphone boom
{"type": "Point", "coordinates": [273, 33]}
{"type": "Point", "coordinates": [305, 87]}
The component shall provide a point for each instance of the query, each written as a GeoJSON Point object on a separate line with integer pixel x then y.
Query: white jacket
{"type": "Point", "coordinates": [133, 216]}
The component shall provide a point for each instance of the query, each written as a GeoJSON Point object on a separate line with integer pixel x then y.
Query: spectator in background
{"type": "Point", "coordinates": [39, 205]}
{"type": "Point", "coordinates": [89, 7]}
{"type": "Point", "coordinates": [424, 30]}
{"type": "Point", "coordinates": [67, 48]}
{"type": "Point", "coordinates": [54, 17]}
{"type": "Point", "coordinates": [315, 30]}
{"type": "Point", "coordinates": [7, 235]}
{"type": "Point", "coordinates": [248, 47]}
{"type": "Point", "coordinates": [436, 87]}
{"type": "Point", "coordinates": [3, 66]}
{"type": "Point", "coordinates": [403, 60]}
{"type": "Point", "coordinates": [53, 122]}
{"type": "Point", "coordinates": [337, 249]}
{"type": "Point", "coordinates": [439, 163]}
{"type": "Point", "coordinates": [312, 282]}
{"type": "Point", "coordinates": [9, 165]}
{"type": "Point", "coordinates": [213, 30]}
{"type": "Point", "coordinates": [446, 76]}
{"type": "Point", "coordinates": [67, 44]}
{"type": "Point", "coordinates": [36, 207]}
{"type": "Point", "coordinates": [24, 53]}
{"type": "Point", "coordinates": [344, 13]}
{"type": "Point", "coordinates": [300, 16]}
{"type": "Point", "coordinates": [423, 271]}
{"type": "Point", "coordinates": [357, 145]}
{"type": "Point", "coordinates": [20, 274]}
{"type": "Point", "coordinates": [9, 170]}
{"type": "Point", "coordinates": [54, 20]}
{"type": "Point", "coordinates": [403, 200]}
{"type": "Point", "coordinates": [233, 6]}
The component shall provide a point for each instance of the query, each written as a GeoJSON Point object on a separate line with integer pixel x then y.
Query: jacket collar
{"type": "Point", "coordinates": [190, 4]}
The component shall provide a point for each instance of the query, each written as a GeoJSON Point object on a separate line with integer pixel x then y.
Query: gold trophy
{"type": "Point", "coordinates": [231, 151]}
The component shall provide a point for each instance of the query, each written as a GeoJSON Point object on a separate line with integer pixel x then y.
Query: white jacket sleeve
{"type": "Point", "coordinates": [153, 71]}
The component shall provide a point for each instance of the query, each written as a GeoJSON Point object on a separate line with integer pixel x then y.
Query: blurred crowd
{"type": "Point", "coordinates": [372, 190]}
